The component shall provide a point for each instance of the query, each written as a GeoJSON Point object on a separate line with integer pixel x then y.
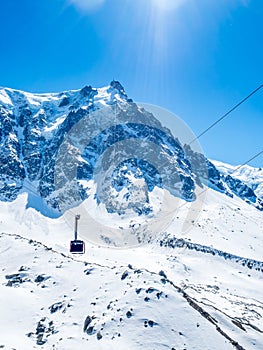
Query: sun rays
{"type": "Point", "coordinates": [167, 5]}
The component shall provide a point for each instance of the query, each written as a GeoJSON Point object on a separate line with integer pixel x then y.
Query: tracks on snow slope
{"type": "Point", "coordinates": [191, 302]}
{"type": "Point", "coordinates": [173, 242]}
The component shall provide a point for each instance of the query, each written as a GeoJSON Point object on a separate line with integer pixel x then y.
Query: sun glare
{"type": "Point", "coordinates": [166, 5]}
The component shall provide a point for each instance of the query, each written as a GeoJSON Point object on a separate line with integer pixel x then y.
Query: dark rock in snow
{"type": "Point", "coordinates": [124, 275]}
{"type": "Point", "coordinates": [43, 330]}
{"type": "Point", "coordinates": [129, 314]}
{"type": "Point", "coordinates": [161, 273]}
{"type": "Point", "coordinates": [90, 330]}
{"type": "Point", "coordinates": [24, 268]}
{"type": "Point", "coordinates": [55, 307]}
{"type": "Point", "coordinates": [87, 322]}
{"type": "Point", "coordinates": [152, 323]}
{"type": "Point", "coordinates": [99, 336]}
{"type": "Point", "coordinates": [64, 102]}
{"type": "Point", "coordinates": [16, 279]}
{"type": "Point", "coordinates": [88, 271]}
{"type": "Point", "coordinates": [40, 278]}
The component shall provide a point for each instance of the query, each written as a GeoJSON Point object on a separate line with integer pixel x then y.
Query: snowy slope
{"type": "Point", "coordinates": [132, 312]}
{"type": "Point", "coordinates": [201, 300]}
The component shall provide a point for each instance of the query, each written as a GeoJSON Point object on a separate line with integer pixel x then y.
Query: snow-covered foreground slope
{"type": "Point", "coordinates": [48, 297]}
{"type": "Point", "coordinates": [164, 295]}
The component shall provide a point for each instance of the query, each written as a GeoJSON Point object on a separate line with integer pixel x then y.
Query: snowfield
{"type": "Point", "coordinates": [163, 295]}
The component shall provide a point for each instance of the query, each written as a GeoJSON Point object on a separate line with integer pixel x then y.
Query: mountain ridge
{"type": "Point", "coordinates": [33, 127]}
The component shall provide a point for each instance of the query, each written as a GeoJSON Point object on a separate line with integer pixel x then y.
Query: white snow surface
{"type": "Point", "coordinates": [4, 98]}
{"type": "Point", "coordinates": [253, 177]}
{"type": "Point", "coordinates": [205, 302]}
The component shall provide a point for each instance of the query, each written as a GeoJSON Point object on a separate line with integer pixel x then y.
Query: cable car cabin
{"type": "Point", "coordinates": [77, 247]}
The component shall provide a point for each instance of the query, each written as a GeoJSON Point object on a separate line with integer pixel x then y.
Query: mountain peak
{"type": "Point", "coordinates": [33, 127]}
{"type": "Point", "coordinates": [118, 86]}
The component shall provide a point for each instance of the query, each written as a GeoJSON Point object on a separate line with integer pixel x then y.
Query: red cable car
{"type": "Point", "coordinates": [77, 246]}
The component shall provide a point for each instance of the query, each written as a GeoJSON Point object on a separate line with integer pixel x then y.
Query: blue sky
{"type": "Point", "coordinates": [195, 58]}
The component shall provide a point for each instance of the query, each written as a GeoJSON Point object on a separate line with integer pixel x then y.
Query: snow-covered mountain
{"type": "Point", "coordinates": [252, 177]}
{"type": "Point", "coordinates": [193, 289]}
{"type": "Point", "coordinates": [34, 127]}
